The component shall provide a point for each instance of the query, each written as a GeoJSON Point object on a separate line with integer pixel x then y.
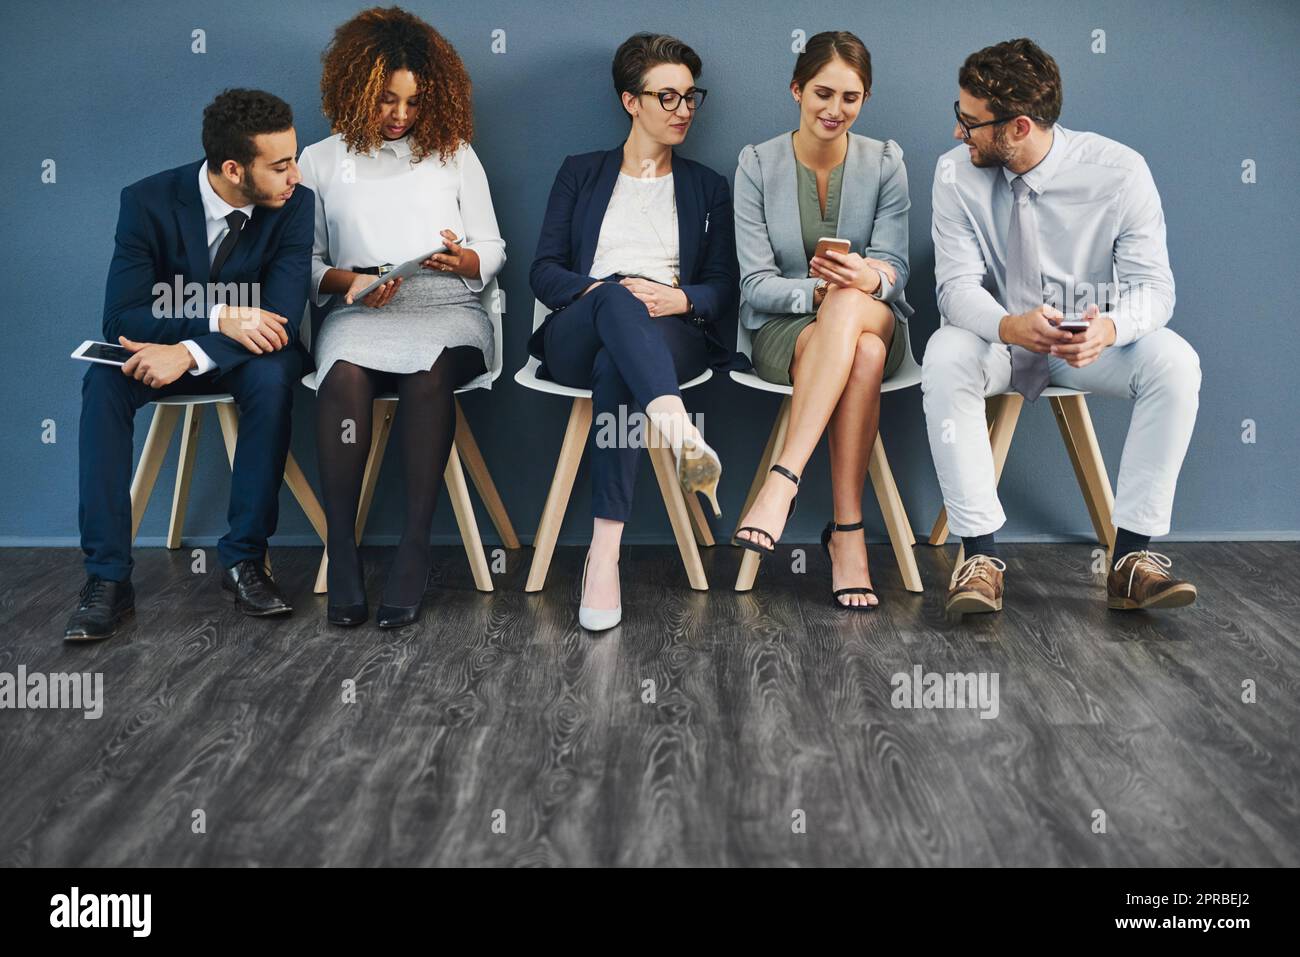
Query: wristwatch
{"type": "Point", "coordinates": [820, 287]}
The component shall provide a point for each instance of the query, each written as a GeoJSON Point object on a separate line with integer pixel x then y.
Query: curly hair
{"type": "Point", "coordinates": [1017, 78]}
{"type": "Point", "coordinates": [232, 120]}
{"type": "Point", "coordinates": [365, 52]}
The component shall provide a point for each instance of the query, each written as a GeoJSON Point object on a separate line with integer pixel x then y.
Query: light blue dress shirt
{"type": "Point", "coordinates": [1101, 236]}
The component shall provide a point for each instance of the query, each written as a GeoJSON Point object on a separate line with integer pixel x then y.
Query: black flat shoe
{"type": "Point", "coordinates": [754, 546]}
{"type": "Point", "coordinates": [830, 529]}
{"type": "Point", "coordinates": [256, 593]}
{"type": "Point", "coordinates": [101, 607]}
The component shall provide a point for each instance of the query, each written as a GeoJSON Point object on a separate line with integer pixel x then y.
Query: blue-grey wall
{"type": "Point", "coordinates": [112, 92]}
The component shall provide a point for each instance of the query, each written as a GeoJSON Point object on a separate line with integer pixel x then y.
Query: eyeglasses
{"type": "Point", "coordinates": [671, 99]}
{"type": "Point", "coordinates": [968, 127]}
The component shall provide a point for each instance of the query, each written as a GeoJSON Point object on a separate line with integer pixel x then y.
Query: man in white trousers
{"type": "Point", "coordinates": [1034, 225]}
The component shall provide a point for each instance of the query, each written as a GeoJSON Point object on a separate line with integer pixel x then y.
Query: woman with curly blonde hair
{"type": "Point", "coordinates": [397, 178]}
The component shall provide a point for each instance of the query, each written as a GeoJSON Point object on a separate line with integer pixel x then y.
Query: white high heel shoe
{"type": "Point", "coordinates": [596, 619]}
{"type": "Point", "coordinates": [699, 469]}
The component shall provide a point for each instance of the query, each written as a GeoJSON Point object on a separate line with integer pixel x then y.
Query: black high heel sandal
{"type": "Point", "coordinates": [829, 530]}
{"type": "Point", "coordinates": [754, 546]}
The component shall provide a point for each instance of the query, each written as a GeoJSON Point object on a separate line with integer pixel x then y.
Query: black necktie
{"type": "Point", "coordinates": [236, 221]}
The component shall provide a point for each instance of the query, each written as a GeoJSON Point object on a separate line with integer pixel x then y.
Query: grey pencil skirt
{"type": "Point", "coordinates": [431, 311]}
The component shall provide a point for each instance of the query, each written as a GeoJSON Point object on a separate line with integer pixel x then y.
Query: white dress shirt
{"type": "Point", "coordinates": [215, 211]}
{"type": "Point", "coordinates": [1101, 236]}
{"type": "Point", "coordinates": [638, 234]}
{"type": "Point", "coordinates": [380, 207]}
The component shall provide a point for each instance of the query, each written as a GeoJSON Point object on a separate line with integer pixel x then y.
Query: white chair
{"type": "Point", "coordinates": [1072, 418]}
{"type": "Point", "coordinates": [166, 414]}
{"type": "Point", "coordinates": [882, 478]}
{"type": "Point", "coordinates": [684, 511]}
{"type": "Point", "coordinates": [464, 447]}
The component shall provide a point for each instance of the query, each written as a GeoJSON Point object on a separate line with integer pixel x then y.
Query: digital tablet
{"type": "Point", "coordinates": [405, 271]}
{"type": "Point", "coordinates": [107, 353]}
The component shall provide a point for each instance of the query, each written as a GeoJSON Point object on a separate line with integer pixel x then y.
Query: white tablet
{"type": "Point", "coordinates": [405, 271]}
{"type": "Point", "coordinates": [91, 351]}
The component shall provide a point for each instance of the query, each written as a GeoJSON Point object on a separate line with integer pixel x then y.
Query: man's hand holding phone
{"type": "Point", "coordinates": [257, 330]}
{"type": "Point", "coordinates": [1083, 348]}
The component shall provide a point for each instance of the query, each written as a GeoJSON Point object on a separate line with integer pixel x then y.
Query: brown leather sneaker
{"type": "Point", "coordinates": [976, 585]}
{"type": "Point", "coordinates": [1139, 580]}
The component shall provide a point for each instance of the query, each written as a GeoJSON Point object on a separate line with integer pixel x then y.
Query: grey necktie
{"type": "Point", "coordinates": [1029, 372]}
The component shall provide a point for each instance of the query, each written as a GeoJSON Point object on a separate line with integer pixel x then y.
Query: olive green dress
{"type": "Point", "coordinates": [773, 342]}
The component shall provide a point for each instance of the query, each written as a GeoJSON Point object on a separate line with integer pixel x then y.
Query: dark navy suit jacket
{"type": "Point", "coordinates": [162, 234]}
{"type": "Point", "coordinates": [706, 234]}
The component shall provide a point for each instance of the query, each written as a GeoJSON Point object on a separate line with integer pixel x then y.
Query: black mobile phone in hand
{"type": "Point", "coordinates": [1073, 324]}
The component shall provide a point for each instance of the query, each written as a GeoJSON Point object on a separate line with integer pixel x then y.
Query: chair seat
{"type": "Point", "coordinates": [905, 379]}
{"type": "Point", "coordinates": [528, 378]}
{"type": "Point", "coordinates": [309, 380]}
{"type": "Point", "coordinates": [210, 399]}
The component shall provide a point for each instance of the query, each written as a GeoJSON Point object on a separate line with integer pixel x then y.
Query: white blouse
{"type": "Point", "coordinates": [378, 207]}
{"type": "Point", "coordinates": [638, 236]}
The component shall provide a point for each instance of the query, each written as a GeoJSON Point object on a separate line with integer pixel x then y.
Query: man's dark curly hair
{"type": "Point", "coordinates": [232, 120]}
{"type": "Point", "coordinates": [1017, 78]}
{"type": "Point", "coordinates": [365, 52]}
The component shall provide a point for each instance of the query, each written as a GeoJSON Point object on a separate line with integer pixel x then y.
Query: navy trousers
{"type": "Point", "coordinates": [608, 343]}
{"type": "Point", "coordinates": [263, 389]}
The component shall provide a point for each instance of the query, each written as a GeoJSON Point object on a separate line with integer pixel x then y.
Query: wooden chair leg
{"type": "Point", "coordinates": [458, 492]}
{"type": "Point", "coordinates": [557, 499]}
{"type": "Point", "coordinates": [1071, 448]}
{"type": "Point", "coordinates": [895, 515]}
{"type": "Point", "coordinates": [184, 473]}
{"type": "Point", "coordinates": [661, 457]}
{"type": "Point", "coordinates": [382, 414]}
{"type": "Point", "coordinates": [146, 472]}
{"type": "Point", "coordinates": [306, 496]}
{"type": "Point", "coordinates": [699, 523]}
{"type": "Point", "coordinates": [472, 460]}
{"type": "Point", "coordinates": [749, 560]}
{"type": "Point", "coordinates": [1090, 467]}
{"type": "Point", "coordinates": [775, 440]}
{"type": "Point", "coordinates": [1003, 412]}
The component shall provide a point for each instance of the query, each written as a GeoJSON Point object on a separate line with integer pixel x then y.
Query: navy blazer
{"type": "Point", "coordinates": [162, 234]}
{"type": "Point", "coordinates": [706, 235]}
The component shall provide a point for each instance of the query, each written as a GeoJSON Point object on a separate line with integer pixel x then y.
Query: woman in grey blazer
{"type": "Point", "coordinates": [834, 325]}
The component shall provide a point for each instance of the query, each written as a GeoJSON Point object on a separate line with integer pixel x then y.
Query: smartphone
{"type": "Point", "coordinates": [91, 351]}
{"type": "Point", "coordinates": [830, 242]}
{"type": "Point", "coordinates": [1073, 324]}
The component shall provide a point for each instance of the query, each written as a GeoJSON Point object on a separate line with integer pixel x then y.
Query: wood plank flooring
{"type": "Point", "coordinates": [708, 729]}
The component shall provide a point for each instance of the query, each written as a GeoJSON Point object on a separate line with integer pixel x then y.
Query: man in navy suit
{"type": "Point", "coordinates": [233, 233]}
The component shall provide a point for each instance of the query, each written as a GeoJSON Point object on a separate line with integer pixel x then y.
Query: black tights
{"type": "Point", "coordinates": [426, 426]}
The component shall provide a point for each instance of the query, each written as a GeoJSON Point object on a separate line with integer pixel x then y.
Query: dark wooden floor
{"type": "Point", "coordinates": [496, 707]}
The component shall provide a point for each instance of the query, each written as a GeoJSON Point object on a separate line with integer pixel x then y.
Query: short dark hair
{"type": "Point", "coordinates": [1017, 78]}
{"type": "Point", "coordinates": [824, 47]}
{"type": "Point", "coordinates": [232, 120]}
{"type": "Point", "coordinates": [642, 52]}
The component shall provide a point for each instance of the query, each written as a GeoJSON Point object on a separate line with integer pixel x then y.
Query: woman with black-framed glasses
{"type": "Point", "coordinates": [637, 260]}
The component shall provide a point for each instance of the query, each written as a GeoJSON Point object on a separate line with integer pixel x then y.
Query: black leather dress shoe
{"type": "Point", "coordinates": [102, 606]}
{"type": "Point", "coordinates": [256, 593]}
